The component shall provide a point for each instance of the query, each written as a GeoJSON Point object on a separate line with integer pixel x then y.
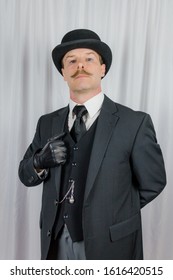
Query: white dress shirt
{"type": "Point", "coordinates": [93, 107]}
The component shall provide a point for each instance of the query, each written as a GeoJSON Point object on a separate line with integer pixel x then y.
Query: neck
{"type": "Point", "coordinates": [82, 97]}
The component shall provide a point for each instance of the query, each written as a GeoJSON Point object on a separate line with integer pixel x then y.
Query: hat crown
{"type": "Point", "coordinates": [80, 34]}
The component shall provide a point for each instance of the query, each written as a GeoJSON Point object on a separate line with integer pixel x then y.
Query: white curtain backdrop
{"type": "Point", "coordinates": [140, 34]}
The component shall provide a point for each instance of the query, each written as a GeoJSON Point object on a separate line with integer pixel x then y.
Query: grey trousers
{"type": "Point", "coordinates": [65, 249]}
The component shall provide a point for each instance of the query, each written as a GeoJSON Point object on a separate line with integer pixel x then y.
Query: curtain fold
{"type": "Point", "coordinates": [140, 34]}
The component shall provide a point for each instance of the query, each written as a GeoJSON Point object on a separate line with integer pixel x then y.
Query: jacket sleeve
{"type": "Point", "coordinates": [147, 163]}
{"type": "Point", "coordinates": [27, 173]}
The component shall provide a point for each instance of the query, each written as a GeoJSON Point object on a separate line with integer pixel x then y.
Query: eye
{"type": "Point", "coordinates": [72, 61]}
{"type": "Point", "coordinates": [90, 59]}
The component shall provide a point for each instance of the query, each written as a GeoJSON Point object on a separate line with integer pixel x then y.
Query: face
{"type": "Point", "coordinates": [82, 70]}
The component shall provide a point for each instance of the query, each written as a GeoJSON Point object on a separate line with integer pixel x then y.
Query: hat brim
{"type": "Point", "coordinates": [100, 47]}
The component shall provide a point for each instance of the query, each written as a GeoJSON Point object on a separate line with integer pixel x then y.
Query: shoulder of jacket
{"type": "Point", "coordinates": [54, 113]}
{"type": "Point", "coordinates": [122, 109]}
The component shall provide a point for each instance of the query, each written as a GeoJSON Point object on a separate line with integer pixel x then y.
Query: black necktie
{"type": "Point", "coordinates": [79, 127]}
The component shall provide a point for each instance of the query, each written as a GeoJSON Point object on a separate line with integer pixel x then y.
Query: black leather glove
{"type": "Point", "coordinates": [52, 154]}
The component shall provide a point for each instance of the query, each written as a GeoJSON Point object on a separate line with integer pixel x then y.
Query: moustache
{"type": "Point", "coordinates": [79, 72]}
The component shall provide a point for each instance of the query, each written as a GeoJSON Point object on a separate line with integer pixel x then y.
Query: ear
{"type": "Point", "coordinates": [103, 66]}
{"type": "Point", "coordinates": [63, 73]}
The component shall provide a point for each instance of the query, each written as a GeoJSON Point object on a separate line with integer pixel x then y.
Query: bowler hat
{"type": "Point", "coordinates": [81, 38]}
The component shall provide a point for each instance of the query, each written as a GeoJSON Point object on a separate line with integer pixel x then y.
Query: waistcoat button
{"type": "Point", "coordinates": [55, 202]}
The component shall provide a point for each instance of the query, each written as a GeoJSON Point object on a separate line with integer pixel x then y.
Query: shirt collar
{"type": "Point", "coordinates": [92, 105]}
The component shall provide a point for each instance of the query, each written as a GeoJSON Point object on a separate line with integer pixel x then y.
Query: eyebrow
{"type": "Point", "coordinates": [94, 53]}
{"type": "Point", "coordinates": [70, 55]}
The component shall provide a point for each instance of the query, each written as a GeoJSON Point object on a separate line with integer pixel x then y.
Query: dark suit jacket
{"type": "Point", "coordinates": [126, 172]}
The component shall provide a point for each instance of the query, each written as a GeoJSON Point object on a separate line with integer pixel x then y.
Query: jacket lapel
{"type": "Point", "coordinates": [105, 126]}
{"type": "Point", "coordinates": [58, 128]}
{"type": "Point", "coordinates": [59, 121]}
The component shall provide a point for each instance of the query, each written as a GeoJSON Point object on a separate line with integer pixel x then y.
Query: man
{"type": "Point", "coordinates": [99, 162]}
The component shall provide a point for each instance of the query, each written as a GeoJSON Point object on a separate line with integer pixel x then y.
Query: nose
{"type": "Point", "coordinates": [80, 66]}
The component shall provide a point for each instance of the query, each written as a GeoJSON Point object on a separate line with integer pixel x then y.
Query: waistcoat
{"type": "Point", "coordinates": [74, 172]}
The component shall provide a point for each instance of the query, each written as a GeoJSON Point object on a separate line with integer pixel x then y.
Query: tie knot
{"type": "Point", "coordinates": [80, 111]}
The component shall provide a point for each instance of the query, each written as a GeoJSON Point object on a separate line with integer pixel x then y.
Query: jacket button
{"type": "Point", "coordinates": [74, 164]}
{"type": "Point", "coordinates": [75, 148]}
{"type": "Point", "coordinates": [48, 233]}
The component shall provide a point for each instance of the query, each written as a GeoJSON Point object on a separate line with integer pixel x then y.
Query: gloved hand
{"type": "Point", "coordinates": [52, 154]}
